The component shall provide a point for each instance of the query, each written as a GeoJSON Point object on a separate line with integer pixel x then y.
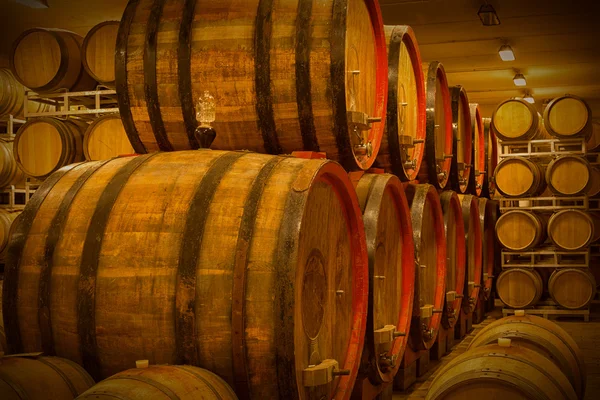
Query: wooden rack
{"type": "Point", "coordinates": [542, 148]}
{"type": "Point", "coordinates": [9, 126]}
{"type": "Point", "coordinates": [544, 203]}
{"type": "Point", "coordinates": [547, 257]}
{"type": "Point", "coordinates": [17, 198]}
{"type": "Point", "coordinates": [78, 104]}
{"type": "Point", "coordinates": [547, 310]}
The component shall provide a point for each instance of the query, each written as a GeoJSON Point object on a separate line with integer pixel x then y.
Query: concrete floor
{"type": "Point", "coordinates": [586, 334]}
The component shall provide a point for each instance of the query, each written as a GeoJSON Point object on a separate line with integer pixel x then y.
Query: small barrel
{"type": "Point", "coordinates": [12, 97]}
{"type": "Point", "coordinates": [491, 159]}
{"type": "Point", "coordinates": [430, 256]}
{"type": "Point", "coordinates": [462, 148]}
{"type": "Point", "coordinates": [568, 175]}
{"type": "Point", "coordinates": [593, 143]}
{"type": "Point", "coordinates": [34, 377]}
{"type": "Point", "coordinates": [489, 212]}
{"type": "Point", "coordinates": [439, 137]}
{"type": "Point", "coordinates": [474, 241]}
{"type": "Point", "coordinates": [519, 177]}
{"type": "Point", "coordinates": [572, 288]}
{"type": "Point", "coordinates": [7, 217]}
{"type": "Point", "coordinates": [44, 145]}
{"type": "Point", "coordinates": [479, 161]}
{"type": "Point", "coordinates": [98, 52]}
{"type": "Point", "coordinates": [568, 117]}
{"type": "Point", "coordinates": [403, 141]}
{"type": "Point", "coordinates": [106, 138]}
{"type": "Point", "coordinates": [390, 245]}
{"type": "Point", "coordinates": [521, 230]}
{"type": "Point", "coordinates": [519, 288]}
{"type": "Point", "coordinates": [571, 229]}
{"type": "Point", "coordinates": [161, 382]}
{"type": "Point", "coordinates": [455, 257]}
{"type": "Point", "coordinates": [46, 60]}
{"type": "Point", "coordinates": [542, 336]}
{"type": "Point", "coordinates": [594, 187]}
{"type": "Point", "coordinates": [516, 119]}
{"type": "Point", "coordinates": [10, 173]}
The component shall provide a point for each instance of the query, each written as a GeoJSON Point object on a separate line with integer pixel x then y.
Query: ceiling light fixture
{"type": "Point", "coordinates": [529, 98]}
{"type": "Point", "coordinates": [488, 15]}
{"type": "Point", "coordinates": [506, 53]}
{"type": "Point", "coordinates": [519, 80]}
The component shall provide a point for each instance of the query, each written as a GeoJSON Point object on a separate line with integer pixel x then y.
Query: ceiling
{"type": "Point", "coordinates": [556, 42]}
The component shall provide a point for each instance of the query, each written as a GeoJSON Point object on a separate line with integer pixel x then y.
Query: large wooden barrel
{"type": "Point", "coordinates": [12, 97]}
{"type": "Point", "coordinates": [46, 60]}
{"type": "Point", "coordinates": [542, 336]}
{"type": "Point", "coordinates": [516, 119]}
{"type": "Point", "coordinates": [455, 257]}
{"type": "Point", "coordinates": [520, 230]}
{"type": "Point", "coordinates": [285, 76]}
{"type": "Point", "coordinates": [106, 138]}
{"type": "Point", "coordinates": [479, 162]}
{"type": "Point", "coordinates": [474, 241]}
{"type": "Point", "coordinates": [572, 288]}
{"type": "Point", "coordinates": [154, 257]}
{"type": "Point", "coordinates": [7, 218]}
{"type": "Point", "coordinates": [517, 176]}
{"type": "Point", "coordinates": [491, 159]}
{"type": "Point", "coordinates": [390, 246]}
{"type": "Point", "coordinates": [403, 141]}
{"type": "Point", "coordinates": [593, 143]}
{"type": "Point", "coordinates": [519, 287]}
{"type": "Point", "coordinates": [161, 382]}
{"type": "Point", "coordinates": [44, 145]}
{"type": "Point", "coordinates": [489, 211]}
{"type": "Point", "coordinates": [568, 117]}
{"type": "Point", "coordinates": [439, 137]}
{"type": "Point", "coordinates": [98, 52]}
{"type": "Point", "coordinates": [34, 377]}
{"type": "Point", "coordinates": [568, 175]}
{"type": "Point", "coordinates": [571, 229]}
{"type": "Point", "coordinates": [430, 256]}
{"type": "Point", "coordinates": [10, 173]}
{"type": "Point", "coordinates": [462, 146]}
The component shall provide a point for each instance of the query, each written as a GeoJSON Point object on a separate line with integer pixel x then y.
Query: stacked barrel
{"type": "Point", "coordinates": [547, 238]}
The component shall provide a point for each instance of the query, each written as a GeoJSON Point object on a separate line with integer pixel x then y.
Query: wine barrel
{"type": "Point", "coordinates": [594, 186]}
{"type": "Point", "coordinates": [98, 52]}
{"type": "Point", "coordinates": [430, 256]}
{"type": "Point", "coordinates": [7, 218]}
{"type": "Point", "coordinates": [491, 159]}
{"type": "Point", "coordinates": [542, 336]}
{"type": "Point", "coordinates": [44, 145]}
{"type": "Point", "coordinates": [455, 257]}
{"type": "Point", "coordinates": [152, 257]}
{"type": "Point", "coordinates": [439, 137]}
{"type": "Point", "coordinates": [33, 377]}
{"type": "Point", "coordinates": [12, 97]}
{"type": "Point", "coordinates": [479, 161]}
{"type": "Point", "coordinates": [568, 175]}
{"type": "Point", "coordinates": [462, 142]}
{"type": "Point", "coordinates": [3, 345]}
{"type": "Point", "coordinates": [593, 143]}
{"type": "Point", "coordinates": [285, 76]}
{"type": "Point", "coordinates": [517, 176]}
{"type": "Point", "coordinates": [390, 247]}
{"type": "Point", "coordinates": [474, 241]}
{"type": "Point", "coordinates": [595, 216]}
{"type": "Point", "coordinates": [570, 229]}
{"type": "Point", "coordinates": [161, 382]}
{"type": "Point", "coordinates": [488, 216]}
{"type": "Point", "coordinates": [568, 117]}
{"type": "Point", "coordinates": [46, 60]}
{"type": "Point", "coordinates": [516, 119]}
{"type": "Point", "coordinates": [520, 230]}
{"type": "Point", "coordinates": [403, 141]}
{"type": "Point", "coordinates": [10, 173]}
{"type": "Point", "coordinates": [519, 287]}
{"type": "Point", "coordinates": [572, 288]}
{"type": "Point", "coordinates": [106, 138]}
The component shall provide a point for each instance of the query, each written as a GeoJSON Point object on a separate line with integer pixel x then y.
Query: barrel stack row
{"type": "Point", "coordinates": [552, 230]}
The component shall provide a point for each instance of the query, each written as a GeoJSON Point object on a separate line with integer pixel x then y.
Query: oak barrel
{"type": "Point", "coordinates": [285, 76]}
{"type": "Point", "coordinates": [594, 186]}
{"type": "Point", "coordinates": [455, 257]}
{"type": "Point", "coordinates": [10, 173]}
{"type": "Point", "coordinates": [596, 220]}
{"type": "Point", "coordinates": [153, 257]}
{"type": "Point", "coordinates": [161, 382]}
{"type": "Point", "coordinates": [516, 119]}
{"type": "Point", "coordinates": [568, 175]}
{"type": "Point", "coordinates": [403, 141]}
{"type": "Point", "coordinates": [593, 143]}
{"type": "Point", "coordinates": [571, 229]}
{"type": "Point", "coordinates": [474, 242]}
{"type": "Point", "coordinates": [462, 141]}
{"type": "Point", "coordinates": [521, 230]}
{"type": "Point", "coordinates": [439, 137]}
{"type": "Point", "coordinates": [12, 97]}
{"type": "Point", "coordinates": [542, 336]}
{"type": "Point", "coordinates": [568, 117]}
{"type": "Point", "coordinates": [46, 60]}
{"type": "Point", "coordinates": [7, 218]}
{"type": "Point", "coordinates": [390, 246]}
{"type": "Point", "coordinates": [479, 160]}
{"type": "Point", "coordinates": [491, 159]}
{"type": "Point", "coordinates": [519, 287]}
{"type": "Point", "coordinates": [489, 212]}
{"type": "Point", "coordinates": [44, 145]}
{"type": "Point", "coordinates": [33, 377]}
{"type": "Point", "coordinates": [98, 52]}
{"type": "Point", "coordinates": [106, 138]}
{"type": "Point", "coordinates": [430, 256]}
{"type": "Point", "coordinates": [572, 288]}
{"type": "Point", "coordinates": [517, 176]}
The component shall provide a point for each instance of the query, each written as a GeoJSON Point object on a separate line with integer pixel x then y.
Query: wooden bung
{"type": "Point", "coordinates": [489, 212]}
{"type": "Point", "coordinates": [568, 117]}
{"type": "Point", "coordinates": [516, 119]}
{"type": "Point", "coordinates": [572, 288]}
{"type": "Point", "coordinates": [521, 230]}
{"type": "Point", "coordinates": [474, 242]}
{"type": "Point", "coordinates": [519, 287]}
{"type": "Point", "coordinates": [251, 265]}
{"type": "Point", "coordinates": [479, 162]}
{"type": "Point", "coordinates": [571, 229]}
{"type": "Point", "coordinates": [568, 175]}
{"type": "Point", "coordinates": [462, 142]}
{"type": "Point", "coordinates": [106, 138]}
{"type": "Point", "coordinates": [98, 52]}
{"type": "Point", "coordinates": [519, 177]}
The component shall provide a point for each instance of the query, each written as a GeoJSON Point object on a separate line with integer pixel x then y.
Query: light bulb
{"type": "Point", "coordinates": [506, 53]}
{"type": "Point", "coordinates": [519, 80]}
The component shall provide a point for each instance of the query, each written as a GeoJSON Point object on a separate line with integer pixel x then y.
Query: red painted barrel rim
{"type": "Point", "coordinates": [441, 75]}
{"type": "Point", "coordinates": [474, 213]}
{"type": "Point", "coordinates": [479, 161]}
